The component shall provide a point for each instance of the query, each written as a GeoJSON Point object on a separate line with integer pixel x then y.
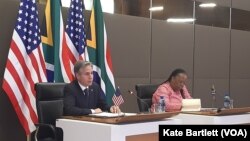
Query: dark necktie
{"type": "Point", "coordinates": [86, 95]}
{"type": "Point", "coordinates": [86, 92]}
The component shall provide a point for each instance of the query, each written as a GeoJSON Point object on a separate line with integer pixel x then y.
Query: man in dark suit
{"type": "Point", "coordinates": [83, 96]}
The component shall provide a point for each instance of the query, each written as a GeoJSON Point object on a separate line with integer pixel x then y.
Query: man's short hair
{"type": "Point", "coordinates": [81, 64]}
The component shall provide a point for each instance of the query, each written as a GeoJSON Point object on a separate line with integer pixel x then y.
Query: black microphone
{"type": "Point", "coordinates": [141, 100]}
{"type": "Point", "coordinates": [213, 93]}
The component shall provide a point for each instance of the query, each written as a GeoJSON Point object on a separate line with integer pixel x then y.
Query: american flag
{"type": "Point", "coordinates": [75, 35]}
{"type": "Point", "coordinates": [117, 98]}
{"type": "Point", "coordinates": [25, 65]}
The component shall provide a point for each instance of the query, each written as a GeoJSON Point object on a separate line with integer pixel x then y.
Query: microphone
{"type": "Point", "coordinates": [213, 93]}
{"type": "Point", "coordinates": [141, 100]}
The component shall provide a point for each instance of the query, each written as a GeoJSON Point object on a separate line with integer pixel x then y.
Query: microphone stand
{"type": "Point", "coordinates": [213, 93]}
{"type": "Point", "coordinates": [141, 100]}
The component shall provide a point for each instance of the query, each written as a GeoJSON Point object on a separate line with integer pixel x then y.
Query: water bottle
{"type": "Point", "coordinates": [226, 101]}
{"type": "Point", "coordinates": [162, 104]}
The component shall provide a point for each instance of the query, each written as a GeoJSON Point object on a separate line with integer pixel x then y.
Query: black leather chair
{"type": "Point", "coordinates": [49, 98]}
{"type": "Point", "coordinates": [145, 93]}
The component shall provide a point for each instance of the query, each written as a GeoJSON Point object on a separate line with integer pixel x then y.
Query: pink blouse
{"type": "Point", "coordinates": [173, 99]}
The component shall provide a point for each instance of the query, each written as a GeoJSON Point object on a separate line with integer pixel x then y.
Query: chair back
{"type": "Point", "coordinates": [145, 93]}
{"type": "Point", "coordinates": [49, 98]}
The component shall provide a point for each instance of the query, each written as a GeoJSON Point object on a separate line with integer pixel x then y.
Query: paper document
{"type": "Point", "coordinates": [130, 114]}
{"type": "Point", "coordinates": [191, 105]}
{"type": "Point", "coordinates": [106, 114]}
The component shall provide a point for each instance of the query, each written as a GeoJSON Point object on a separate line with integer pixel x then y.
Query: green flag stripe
{"type": "Point", "coordinates": [48, 53]}
{"type": "Point", "coordinates": [97, 56]}
{"type": "Point", "coordinates": [56, 14]}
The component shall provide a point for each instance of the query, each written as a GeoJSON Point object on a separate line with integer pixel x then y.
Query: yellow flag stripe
{"type": "Point", "coordinates": [92, 42]}
{"type": "Point", "coordinates": [48, 40]}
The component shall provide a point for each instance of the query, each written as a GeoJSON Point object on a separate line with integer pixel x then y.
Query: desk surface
{"type": "Point", "coordinates": [196, 119]}
{"type": "Point", "coordinates": [221, 116]}
{"type": "Point", "coordinates": [221, 111]}
{"type": "Point", "coordinates": [125, 119]}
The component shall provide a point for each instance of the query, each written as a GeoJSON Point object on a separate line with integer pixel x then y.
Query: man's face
{"type": "Point", "coordinates": [85, 76]}
{"type": "Point", "coordinates": [179, 81]}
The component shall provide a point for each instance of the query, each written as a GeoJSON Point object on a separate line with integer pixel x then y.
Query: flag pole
{"type": "Point", "coordinates": [150, 50]}
{"type": "Point", "coordinates": [28, 138]}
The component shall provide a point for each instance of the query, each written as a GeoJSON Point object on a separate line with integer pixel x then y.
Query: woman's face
{"type": "Point", "coordinates": [179, 81]}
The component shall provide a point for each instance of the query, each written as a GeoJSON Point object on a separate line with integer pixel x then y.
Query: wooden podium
{"type": "Point", "coordinates": [126, 128]}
